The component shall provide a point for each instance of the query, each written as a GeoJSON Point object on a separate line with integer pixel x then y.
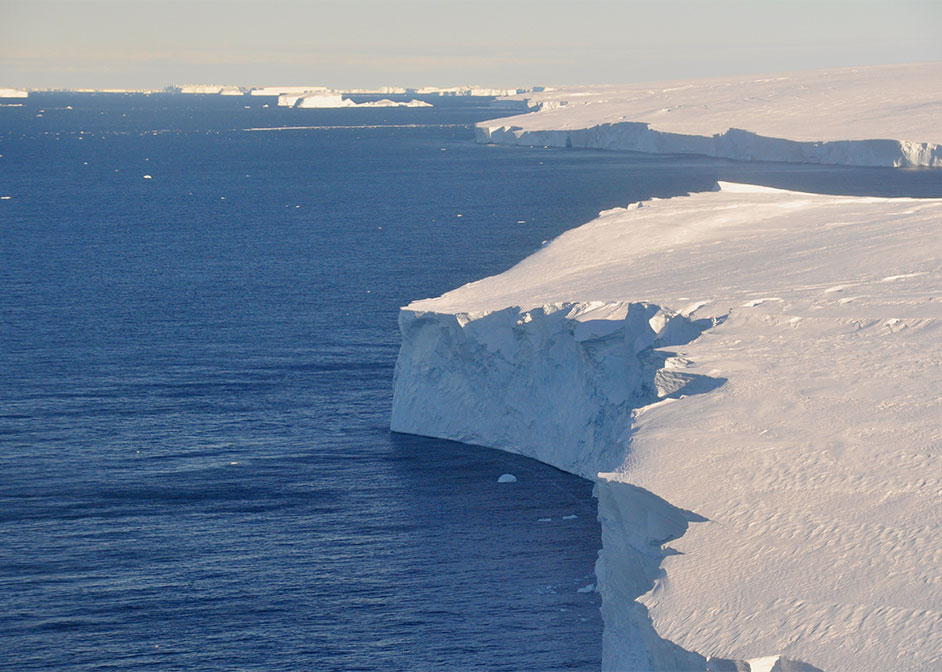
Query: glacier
{"type": "Point", "coordinates": [750, 377]}
{"type": "Point", "coordinates": [873, 116]}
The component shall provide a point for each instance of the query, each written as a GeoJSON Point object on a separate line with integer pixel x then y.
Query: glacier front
{"type": "Point", "coordinates": [751, 377]}
{"type": "Point", "coordinates": [872, 116]}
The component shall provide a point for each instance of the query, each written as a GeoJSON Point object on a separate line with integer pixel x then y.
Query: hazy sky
{"type": "Point", "coordinates": [364, 43]}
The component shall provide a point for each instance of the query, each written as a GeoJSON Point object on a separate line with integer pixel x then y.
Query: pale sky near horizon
{"type": "Point", "coordinates": [368, 43]}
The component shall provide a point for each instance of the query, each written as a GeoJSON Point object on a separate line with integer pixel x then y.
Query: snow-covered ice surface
{"type": "Point", "coordinates": [752, 376]}
{"type": "Point", "coordinates": [873, 116]}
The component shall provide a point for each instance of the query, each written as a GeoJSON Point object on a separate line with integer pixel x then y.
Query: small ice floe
{"type": "Point", "coordinates": [5, 198]}
{"type": "Point", "coordinates": [507, 478]}
{"type": "Point", "coordinates": [544, 520]}
{"type": "Point", "coordinates": [571, 516]}
{"type": "Point", "coordinates": [586, 589]}
{"type": "Point", "coordinates": [521, 221]}
{"type": "Point", "coordinates": [460, 215]}
{"type": "Point", "coordinates": [148, 177]}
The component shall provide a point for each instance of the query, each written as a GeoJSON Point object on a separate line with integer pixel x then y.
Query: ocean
{"type": "Point", "coordinates": [198, 304]}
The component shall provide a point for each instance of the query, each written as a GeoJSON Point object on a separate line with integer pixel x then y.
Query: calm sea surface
{"type": "Point", "coordinates": [196, 471]}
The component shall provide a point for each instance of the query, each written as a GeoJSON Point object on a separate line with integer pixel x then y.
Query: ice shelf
{"type": "Point", "coordinates": [874, 116]}
{"type": "Point", "coordinates": [751, 377]}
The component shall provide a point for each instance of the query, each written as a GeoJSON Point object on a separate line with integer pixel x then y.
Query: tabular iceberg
{"type": "Point", "coordinates": [751, 377]}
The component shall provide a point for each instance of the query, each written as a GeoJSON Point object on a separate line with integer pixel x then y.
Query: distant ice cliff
{"type": "Point", "coordinates": [878, 116]}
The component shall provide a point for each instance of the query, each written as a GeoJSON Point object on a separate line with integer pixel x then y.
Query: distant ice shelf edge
{"type": "Point", "coordinates": [736, 144]}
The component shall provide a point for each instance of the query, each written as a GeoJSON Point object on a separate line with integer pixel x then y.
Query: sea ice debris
{"type": "Point", "coordinates": [507, 478]}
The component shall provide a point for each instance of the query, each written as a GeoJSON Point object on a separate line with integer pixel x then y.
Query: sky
{"type": "Point", "coordinates": [511, 43]}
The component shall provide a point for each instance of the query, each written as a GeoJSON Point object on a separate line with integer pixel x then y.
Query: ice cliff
{"type": "Point", "coordinates": [750, 376]}
{"type": "Point", "coordinates": [877, 116]}
{"type": "Point", "coordinates": [569, 375]}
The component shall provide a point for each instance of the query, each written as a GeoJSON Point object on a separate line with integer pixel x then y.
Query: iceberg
{"type": "Point", "coordinates": [315, 100]}
{"type": "Point", "coordinates": [751, 378]}
{"type": "Point", "coordinates": [13, 93]}
{"type": "Point", "coordinates": [211, 89]}
{"type": "Point", "coordinates": [874, 116]}
{"type": "Point", "coordinates": [282, 90]}
{"type": "Point", "coordinates": [337, 100]}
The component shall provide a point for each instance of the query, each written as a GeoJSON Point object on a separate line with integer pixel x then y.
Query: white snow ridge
{"type": "Point", "coordinates": [765, 452]}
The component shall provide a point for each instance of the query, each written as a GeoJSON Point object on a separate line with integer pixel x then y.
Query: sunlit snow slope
{"type": "Point", "coordinates": [874, 116]}
{"type": "Point", "coordinates": [757, 375]}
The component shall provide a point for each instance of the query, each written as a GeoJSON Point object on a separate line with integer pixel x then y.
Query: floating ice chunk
{"type": "Point", "coordinates": [586, 589]}
{"type": "Point", "coordinates": [545, 520]}
{"type": "Point", "coordinates": [571, 516]}
{"type": "Point", "coordinates": [148, 177]}
{"type": "Point", "coordinates": [507, 478]}
{"type": "Point", "coordinates": [778, 664]}
{"type": "Point", "coordinates": [5, 198]}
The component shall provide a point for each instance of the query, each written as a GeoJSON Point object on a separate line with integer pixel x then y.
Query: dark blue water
{"type": "Point", "coordinates": [196, 470]}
